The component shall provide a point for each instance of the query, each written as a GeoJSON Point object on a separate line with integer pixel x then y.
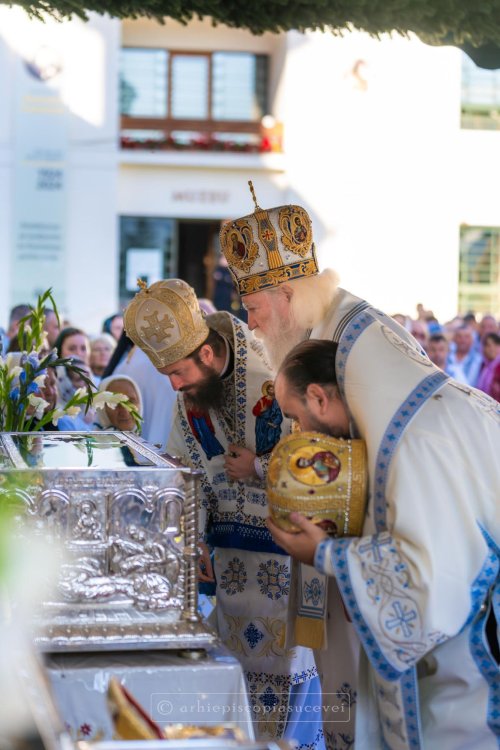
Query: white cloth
{"type": "Point", "coordinates": [158, 396]}
{"type": "Point", "coordinates": [421, 581]}
{"type": "Point", "coordinates": [252, 573]}
{"type": "Point", "coordinates": [339, 675]}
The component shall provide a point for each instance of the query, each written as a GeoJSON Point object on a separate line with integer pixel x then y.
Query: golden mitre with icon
{"type": "Point", "coordinates": [269, 247]}
{"type": "Point", "coordinates": [322, 477]}
{"type": "Point", "coordinates": [165, 321]}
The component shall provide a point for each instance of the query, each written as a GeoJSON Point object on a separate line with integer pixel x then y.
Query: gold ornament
{"type": "Point", "coordinates": [166, 322]}
{"type": "Point", "coordinates": [322, 477]}
{"type": "Point", "coordinates": [269, 247]}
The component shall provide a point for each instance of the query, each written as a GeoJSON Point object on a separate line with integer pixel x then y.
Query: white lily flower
{"type": "Point", "coordinates": [39, 404]}
{"type": "Point", "coordinates": [16, 371]}
{"type": "Point", "coordinates": [106, 398]}
{"type": "Point", "coordinates": [12, 362]}
{"type": "Point", "coordinates": [56, 416]}
{"type": "Point", "coordinates": [43, 346]}
{"type": "Point", "coordinates": [72, 411]}
{"type": "Point", "coordinates": [40, 380]}
{"type": "Point", "coordinates": [80, 393]}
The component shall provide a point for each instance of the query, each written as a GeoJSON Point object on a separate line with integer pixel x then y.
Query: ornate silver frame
{"type": "Point", "coordinates": [129, 534]}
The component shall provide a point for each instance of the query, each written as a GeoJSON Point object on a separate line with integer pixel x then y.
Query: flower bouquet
{"type": "Point", "coordinates": [23, 397]}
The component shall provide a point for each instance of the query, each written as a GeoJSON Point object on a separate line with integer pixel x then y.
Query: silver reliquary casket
{"type": "Point", "coordinates": [126, 519]}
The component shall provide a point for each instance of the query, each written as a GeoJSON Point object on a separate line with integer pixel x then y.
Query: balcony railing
{"type": "Point", "coordinates": [152, 133]}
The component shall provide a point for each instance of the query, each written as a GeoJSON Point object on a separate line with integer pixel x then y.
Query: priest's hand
{"type": "Point", "coordinates": [239, 463]}
{"type": "Point", "coordinates": [301, 545]}
{"type": "Point", "coordinates": [205, 570]}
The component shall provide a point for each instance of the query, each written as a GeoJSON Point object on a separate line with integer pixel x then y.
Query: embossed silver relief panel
{"type": "Point", "coordinates": [129, 538]}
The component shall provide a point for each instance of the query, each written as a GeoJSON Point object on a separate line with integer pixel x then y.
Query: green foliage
{"type": "Point", "coordinates": [437, 21]}
{"type": "Point", "coordinates": [23, 376]}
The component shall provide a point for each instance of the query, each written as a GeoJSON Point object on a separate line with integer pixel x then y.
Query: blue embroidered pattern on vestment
{"type": "Point", "coordinates": [253, 635]}
{"type": "Point", "coordinates": [409, 690]}
{"type": "Point", "coordinates": [228, 534]}
{"type": "Point", "coordinates": [346, 319]}
{"type": "Point", "coordinates": [284, 681]}
{"type": "Point", "coordinates": [273, 578]}
{"type": "Point", "coordinates": [235, 527]}
{"type": "Point", "coordinates": [349, 337]}
{"type": "Point", "coordinates": [272, 691]}
{"type": "Point", "coordinates": [485, 594]}
{"type": "Point", "coordinates": [240, 357]}
{"type": "Point", "coordinates": [316, 744]}
{"type": "Point", "coordinates": [269, 699]}
{"type": "Point", "coordinates": [208, 496]}
{"type": "Point", "coordinates": [384, 571]}
{"type": "Point", "coordinates": [313, 591]}
{"type": "Point", "coordinates": [234, 578]}
{"type": "Point", "coordinates": [393, 434]}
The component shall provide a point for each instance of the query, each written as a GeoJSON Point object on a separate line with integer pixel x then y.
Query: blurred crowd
{"type": "Point", "coordinates": [467, 348]}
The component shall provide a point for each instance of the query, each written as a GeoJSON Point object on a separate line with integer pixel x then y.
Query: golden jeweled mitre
{"type": "Point", "coordinates": [165, 321]}
{"type": "Point", "coordinates": [324, 478]}
{"type": "Point", "coordinates": [269, 247]}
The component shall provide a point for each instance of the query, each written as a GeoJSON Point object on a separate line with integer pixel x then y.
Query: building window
{"type": "Point", "coordinates": [211, 101]}
{"type": "Point", "coordinates": [479, 280]}
{"type": "Point", "coordinates": [480, 97]}
{"type": "Point", "coordinates": [144, 83]}
{"type": "Point", "coordinates": [190, 75]}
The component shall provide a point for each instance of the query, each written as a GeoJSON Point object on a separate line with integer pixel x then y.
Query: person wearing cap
{"type": "Point", "coordinates": [421, 583]}
{"type": "Point", "coordinates": [386, 379]}
{"type": "Point", "coordinates": [220, 371]}
{"type": "Point", "coordinates": [272, 257]}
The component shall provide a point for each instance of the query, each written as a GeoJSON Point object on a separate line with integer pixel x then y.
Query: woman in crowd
{"type": "Point", "coordinates": [101, 350]}
{"type": "Point", "coordinates": [158, 395]}
{"type": "Point", "coordinates": [73, 342]}
{"type": "Point", "coordinates": [491, 362]}
{"type": "Point", "coordinates": [113, 325]}
{"type": "Point", "coordinates": [119, 418]}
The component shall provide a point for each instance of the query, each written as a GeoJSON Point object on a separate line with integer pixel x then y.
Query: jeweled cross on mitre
{"type": "Point", "coordinates": [157, 327]}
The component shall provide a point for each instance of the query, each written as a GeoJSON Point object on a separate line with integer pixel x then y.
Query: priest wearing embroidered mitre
{"type": "Point", "coordinates": [220, 372]}
{"type": "Point", "coordinates": [425, 610]}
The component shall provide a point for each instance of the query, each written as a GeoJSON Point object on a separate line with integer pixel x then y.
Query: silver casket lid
{"type": "Point", "coordinates": [126, 519]}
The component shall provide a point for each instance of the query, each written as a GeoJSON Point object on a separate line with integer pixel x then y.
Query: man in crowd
{"type": "Point", "coordinates": [17, 313]}
{"type": "Point", "coordinates": [425, 611]}
{"type": "Point", "coordinates": [420, 331]}
{"type": "Point", "coordinates": [437, 350]}
{"type": "Point", "coordinates": [464, 362]}
{"type": "Point", "coordinates": [220, 373]}
{"type": "Point", "coordinates": [488, 324]}
{"type": "Point", "coordinates": [51, 326]}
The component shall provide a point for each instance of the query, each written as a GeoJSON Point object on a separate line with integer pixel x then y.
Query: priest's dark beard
{"type": "Point", "coordinates": [207, 394]}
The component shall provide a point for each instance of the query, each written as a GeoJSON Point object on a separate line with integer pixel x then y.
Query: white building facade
{"type": "Point", "coordinates": [366, 134]}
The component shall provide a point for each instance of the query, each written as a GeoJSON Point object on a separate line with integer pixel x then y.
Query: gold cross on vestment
{"type": "Point", "coordinates": [157, 327]}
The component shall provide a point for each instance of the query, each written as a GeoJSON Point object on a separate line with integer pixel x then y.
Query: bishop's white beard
{"type": "Point", "coordinates": [281, 337]}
